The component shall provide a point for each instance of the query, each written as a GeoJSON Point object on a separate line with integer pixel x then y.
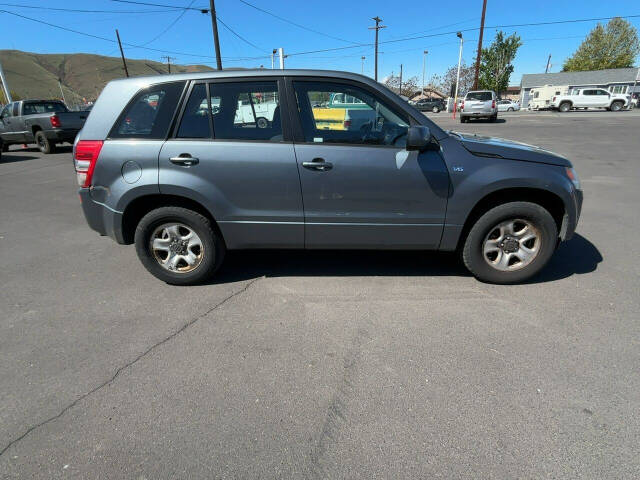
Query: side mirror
{"type": "Point", "coordinates": [418, 138]}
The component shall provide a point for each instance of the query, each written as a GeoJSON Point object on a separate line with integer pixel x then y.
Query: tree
{"type": "Point", "coordinates": [446, 83]}
{"type": "Point", "coordinates": [409, 85]}
{"type": "Point", "coordinates": [615, 45]}
{"type": "Point", "coordinates": [496, 62]}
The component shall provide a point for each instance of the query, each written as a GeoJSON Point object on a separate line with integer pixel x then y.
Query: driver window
{"type": "Point", "coordinates": [340, 113]}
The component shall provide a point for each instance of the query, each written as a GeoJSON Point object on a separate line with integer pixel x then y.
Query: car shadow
{"type": "Point", "coordinates": [484, 120]}
{"type": "Point", "coordinates": [7, 157]}
{"type": "Point", "coordinates": [578, 256]}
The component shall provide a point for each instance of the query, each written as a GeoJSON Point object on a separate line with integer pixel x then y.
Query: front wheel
{"type": "Point", "coordinates": [616, 106]}
{"type": "Point", "coordinates": [44, 144]}
{"type": "Point", "coordinates": [179, 246]}
{"type": "Point", "coordinates": [435, 109]}
{"type": "Point", "coordinates": [262, 122]}
{"type": "Point", "coordinates": [564, 107]}
{"type": "Point", "coordinates": [510, 243]}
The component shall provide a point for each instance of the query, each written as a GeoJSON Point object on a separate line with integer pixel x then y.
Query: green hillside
{"type": "Point", "coordinates": [35, 75]}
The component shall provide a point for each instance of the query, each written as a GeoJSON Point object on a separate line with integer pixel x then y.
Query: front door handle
{"type": "Point", "coordinates": [318, 164]}
{"type": "Point", "coordinates": [184, 160]}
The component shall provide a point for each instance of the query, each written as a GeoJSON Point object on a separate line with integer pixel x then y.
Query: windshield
{"type": "Point", "coordinates": [482, 96]}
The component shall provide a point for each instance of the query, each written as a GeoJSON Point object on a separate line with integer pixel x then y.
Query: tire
{"type": "Point", "coordinates": [44, 144]}
{"type": "Point", "coordinates": [435, 109]}
{"type": "Point", "coordinates": [526, 261]}
{"type": "Point", "coordinates": [493, 118]}
{"type": "Point", "coordinates": [262, 122]}
{"type": "Point", "coordinates": [463, 119]}
{"type": "Point", "coordinates": [510, 109]}
{"type": "Point", "coordinates": [617, 106]}
{"type": "Point", "coordinates": [207, 257]}
{"type": "Point", "coordinates": [4, 146]}
{"type": "Point", "coordinates": [564, 107]}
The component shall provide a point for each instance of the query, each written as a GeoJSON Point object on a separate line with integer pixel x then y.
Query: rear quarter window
{"type": "Point", "coordinates": [150, 112]}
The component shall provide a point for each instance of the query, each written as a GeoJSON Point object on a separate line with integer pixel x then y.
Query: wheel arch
{"type": "Point", "coordinates": [545, 198]}
{"type": "Point", "coordinates": [140, 206]}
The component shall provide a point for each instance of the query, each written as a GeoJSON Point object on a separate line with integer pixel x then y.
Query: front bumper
{"type": "Point", "coordinates": [571, 218]}
{"type": "Point", "coordinates": [101, 218]}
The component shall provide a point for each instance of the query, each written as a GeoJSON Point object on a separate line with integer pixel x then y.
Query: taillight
{"type": "Point", "coordinates": [85, 156]}
{"type": "Point", "coordinates": [347, 124]}
{"type": "Point", "coordinates": [493, 104]}
{"type": "Point", "coordinates": [462, 105]}
{"type": "Point", "coordinates": [55, 121]}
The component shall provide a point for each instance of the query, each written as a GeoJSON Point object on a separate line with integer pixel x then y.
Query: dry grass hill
{"type": "Point", "coordinates": [35, 75]}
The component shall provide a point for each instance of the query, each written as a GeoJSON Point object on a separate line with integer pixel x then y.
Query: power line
{"type": "Point", "coordinates": [202, 10]}
{"type": "Point", "coordinates": [295, 24]}
{"type": "Point", "coordinates": [238, 35]}
{"type": "Point", "coordinates": [406, 39]}
{"type": "Point", "coordinates": [176, 20]}
{"type": "Point", "coordinates": [78, 10]}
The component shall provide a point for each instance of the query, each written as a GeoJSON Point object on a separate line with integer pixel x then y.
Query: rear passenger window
{"type": "Point", "coordinates": [195, 119]}
{"type": "Point", "coordinates": [150, 113]}
{"type": "Point", "coordinates": [246, 111]}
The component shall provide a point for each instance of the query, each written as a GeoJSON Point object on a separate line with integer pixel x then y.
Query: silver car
{"type": "Point", "coordinates": [189, 166]}
{"type": "Point", "coordinates": [479, 104]}
{"type": "Point", "coordinates": [508, 106]}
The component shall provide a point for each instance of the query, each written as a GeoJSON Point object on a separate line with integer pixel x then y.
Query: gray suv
{"type": "Point", "coordinates": [188, 166]}
{"type": "Point", "coordinates": [479, 104]}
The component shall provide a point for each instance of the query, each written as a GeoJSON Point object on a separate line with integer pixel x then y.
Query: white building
{"type": "Point", "coordinates": [616, 80]}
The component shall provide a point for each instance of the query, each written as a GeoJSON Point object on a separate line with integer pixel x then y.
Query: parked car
{"type": "Point", "coordinates": [508, 106]}
{"type": "Point", "coordinates": [185, 187]}
{"type": "Point", "coordinates": [479, 104]}
{"type": "Point", "coordinates": [434, 105]}
{"type": "Point", "coordinates": [590, 98]}
{"type": "Point", "coordinates": [44, 122]}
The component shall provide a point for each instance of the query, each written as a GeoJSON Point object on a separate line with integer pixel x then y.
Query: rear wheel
{"type": "Point", "coordinates": [179, 246]}
{"type": "Point", "coordinates": [262, 122]}
{"type": "Point", "coordinates": [493, 118]}
{"type": "Point", "coordinates": [510, 109]}
{"type": "Point", "coordinates": [3, 146]}
{"type": "Point", "coordinates": [435, 109]}
{"type": "Point", "coordinates": [44, 144]}
{"type": "Point", "coordinates": [564, 107]}
{"type": "Point", "coordinates": [463, 119]}
{"type": "Point", "coordinates": [510, 243]}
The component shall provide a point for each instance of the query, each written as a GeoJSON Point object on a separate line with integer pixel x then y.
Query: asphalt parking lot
{"type": "Point", "coordinates": [326, 364]}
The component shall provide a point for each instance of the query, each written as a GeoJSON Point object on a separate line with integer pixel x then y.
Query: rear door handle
{"type": "Point", "coordinates": [184, 160]}
{"type": "Point", "coordinates": [318, 164]}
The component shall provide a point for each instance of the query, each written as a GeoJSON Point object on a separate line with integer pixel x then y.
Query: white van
{"type": "Point", "coordinates": [540, 97]}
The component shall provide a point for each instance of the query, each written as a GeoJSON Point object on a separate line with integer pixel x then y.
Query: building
{"type": "Point", "coordinates": [511, 93]}
{"type": "Point", "coordinates": [616, 80]}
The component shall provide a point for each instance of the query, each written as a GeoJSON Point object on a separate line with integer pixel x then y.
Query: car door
{"type": "Point", "coordinates": [10, 130]}
{"type": "Point", "coordinates": [586, 99]}
{"type": "Point", "coordinates": [602, 99]}
{"type": "Point", "coordinates": [231, 151]}
{"type": "Point", "coordinates": [361, 188]}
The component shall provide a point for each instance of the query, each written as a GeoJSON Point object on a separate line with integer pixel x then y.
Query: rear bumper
{"type": "Point", "coordinates": [101, 218]}
{"type": "Point", "coordinates": [478, 114]}
{"type": "Point", "coordinates": [62, 134]}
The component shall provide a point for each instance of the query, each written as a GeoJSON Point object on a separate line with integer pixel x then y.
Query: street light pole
{"type": "Point", "coordinates": [424, 66]}
{"type": "Point", "coordinates": [362, 67]}
{"type": "Point", "coordinates": [455, 97]}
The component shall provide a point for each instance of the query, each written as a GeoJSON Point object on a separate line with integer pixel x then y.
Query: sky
{"type": "Point", "coordinates": [248, 34]}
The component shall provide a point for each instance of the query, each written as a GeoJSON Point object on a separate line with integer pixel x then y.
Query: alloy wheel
{"type": "Point", "coordinates": [176, 247]}
{"type": "Point", "coordinates": [511, 245]}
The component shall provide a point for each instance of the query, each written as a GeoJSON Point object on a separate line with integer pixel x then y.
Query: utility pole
{"type": "Point", "coordinates": [377, 29]}
{"type": "Point", "coordinates": [455, 96]}
{"type": "Point", "coordinates": [169, 61]}
{"type": "Point", "coordinates": [5, 86]}
{"type": "Point", "coordinates": [64, 100]}
{"type": "Point", "coordinates": [282, 57]}
{"type": "Point", "coordinates": [546, 70]}
{"type": "Point", "coordinates": [124, 62]}
{"type": "Point", "coordinates": [424, 66]}
{"type": "Point", "coordinates": [400, 89]}
{"type": "Point", "coordinates": [475, 76]}
{"type": "Point", "coordinates": [214, 27]}
{"type": "Point", "coordinates": [362, 67]}
{"type": "Point", "coordinates": [273, 58]}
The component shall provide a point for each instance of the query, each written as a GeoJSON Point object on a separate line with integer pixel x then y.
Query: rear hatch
{"type": "Point", "coordinates": [478, 102]}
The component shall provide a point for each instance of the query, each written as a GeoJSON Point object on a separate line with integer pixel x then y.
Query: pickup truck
{"type": "Point", "coordinates": [43, 122]}
{"type": "Point", "coordinates": [589, 98]}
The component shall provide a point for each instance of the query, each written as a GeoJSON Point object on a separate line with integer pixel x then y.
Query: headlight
{"type": "Point", "coordinates": [573, 176]}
